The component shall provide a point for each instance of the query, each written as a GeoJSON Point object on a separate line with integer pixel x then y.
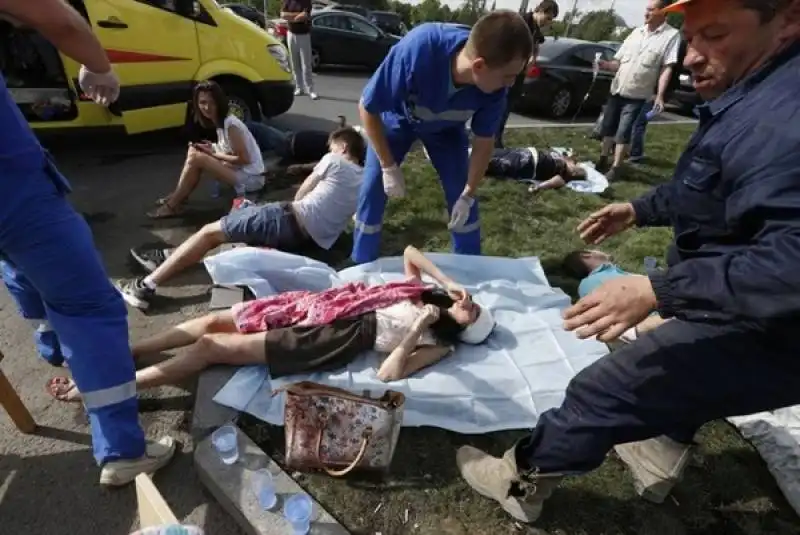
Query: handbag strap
{"type": "Point", "coordinates": [359, 457]}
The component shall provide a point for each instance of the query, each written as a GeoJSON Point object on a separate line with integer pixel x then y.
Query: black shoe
{"type": "Point", "coordinates": [149, 259]}
{"type": "Point", "coordinates": [612, 174]}
{"type": "Point", "coordinates": [136, 293]}
{"type": "Point", "coordinates": [602, 164]}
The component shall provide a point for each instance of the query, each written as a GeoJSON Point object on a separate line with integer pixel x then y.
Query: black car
{"type": "Point", "coordinates": [389, 21]}
{"type": "Point", "coordinates": [352, 8]}
{"type": "Point", "coordinates": [563, 76]}
{"type": "Point", "coordinates": [248, 12]}
{"type": "Point", "coordinates": [681, 88]}
{"type": "Point", "coordinates": [345, 38]}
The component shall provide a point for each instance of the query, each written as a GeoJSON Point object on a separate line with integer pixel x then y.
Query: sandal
{"type": "Point", "coordinates": [163, 200]}
{"type": "Point", "coordinates": [63, 389]}
{"type": "Point", "coordinates": [164, 211]}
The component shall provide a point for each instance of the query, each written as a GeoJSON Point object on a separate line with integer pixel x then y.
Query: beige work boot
{"type": "Point", "coordinates": [521, 496]}
{"type": "Point", "coordinates": [124, 471]}
{"type": "Point", "coordinates": [657, 465]}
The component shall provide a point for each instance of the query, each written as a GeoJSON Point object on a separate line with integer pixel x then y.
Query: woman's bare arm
{"type": "Point", "coordinates": [409, 357]}
{"type": "Point", "coordinates": [239, 155]}
{"type": "Point", "coordinates": [415, 265]}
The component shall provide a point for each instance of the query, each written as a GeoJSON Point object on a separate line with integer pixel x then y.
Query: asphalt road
{"type": "Point", "coordinates": [48, 482]}
{"type": "Point", "coordinates": [340, 91]}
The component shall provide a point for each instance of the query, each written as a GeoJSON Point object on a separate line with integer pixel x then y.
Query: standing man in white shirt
{"type": "Point", "coordinates": [644, 61]}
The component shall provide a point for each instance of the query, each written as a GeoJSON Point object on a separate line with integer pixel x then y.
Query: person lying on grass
{"type": "Point", "coordinates": [234, 159]}
{"type": "Point", "coordinates": [545, 169]}
{"type": "Point", "coordinates": [321, 211]}
{"type": "Point", "coordinates": [593, 268]}
{"type": "Point", "coordinates": [300, 332]}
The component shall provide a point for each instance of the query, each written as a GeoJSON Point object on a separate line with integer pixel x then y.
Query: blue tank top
{"type": "Point", "coordinates": [19, 148]}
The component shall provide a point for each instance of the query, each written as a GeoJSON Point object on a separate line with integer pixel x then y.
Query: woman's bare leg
{"type": "Point", "coordinates": [186, 333]}
{"type": "Point", "coordinates": [221, 348]}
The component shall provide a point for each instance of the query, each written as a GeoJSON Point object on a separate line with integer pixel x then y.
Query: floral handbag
{"type": "Point", "coordinates": [337, 431]}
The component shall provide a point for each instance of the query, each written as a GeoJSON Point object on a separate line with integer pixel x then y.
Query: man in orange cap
{"type": "Point", "coordinates": [731, 286]}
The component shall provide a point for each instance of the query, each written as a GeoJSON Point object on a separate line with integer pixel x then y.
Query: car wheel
{"type": "Point", "coordinates": [241, 100]}
{"type": "Point", "coordinates": [316, 59]}
{"type": "Point", "coordinates": [561, 103]}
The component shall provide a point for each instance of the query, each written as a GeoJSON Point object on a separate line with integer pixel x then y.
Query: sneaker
{"type": "Point", "coordinates": [656, 464]}
{"type": "Point", "coordinates": [136, 293]}
{"type": "Point", "coordinates": [313, 96]}
{"type": "Point", "coordinates": [298, 92]}
{"type": "Point", "coordinates": [612, 173]}
{"type": "Point", "coordinates": [498, 478]}
{"type": "Point", "coordinates": [149, 259]}
{"type": "Point", "coordinates": [124, 471]}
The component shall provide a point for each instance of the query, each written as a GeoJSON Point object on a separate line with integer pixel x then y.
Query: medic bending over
{"type": "Point", "coordinates": [50, 264]}
{"type": "Point", "coordinates": [438, 77]}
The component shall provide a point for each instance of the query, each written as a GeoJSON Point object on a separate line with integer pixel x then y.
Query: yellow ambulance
{"type": "Point", "coordinates": [159, 49]}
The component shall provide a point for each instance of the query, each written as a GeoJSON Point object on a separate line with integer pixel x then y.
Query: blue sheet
{"type": "Point", "coordinates": [506, 383]}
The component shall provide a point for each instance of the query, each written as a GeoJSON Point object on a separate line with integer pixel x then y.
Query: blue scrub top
{"type": "Point", "coordinates": [598, 276]}
{"type": "Point", "coordinates": [20, 151]}
{"type": "Point", "coordinates": [414, 87]}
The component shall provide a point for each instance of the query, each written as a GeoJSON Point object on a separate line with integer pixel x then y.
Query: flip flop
{"type": "Point", "coordinates": [63, 389]}
{"type": "Point", "coordinates": [165, 211]}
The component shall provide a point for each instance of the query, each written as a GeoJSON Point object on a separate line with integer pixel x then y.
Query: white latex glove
{"type": "Point", "coordinates": [102, 88]}
{"type": "Point", "coordinates": [460, 212]}
{"type": "Point", "coordinates": [393, 182]}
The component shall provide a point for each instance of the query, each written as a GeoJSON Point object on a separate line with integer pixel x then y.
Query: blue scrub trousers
{"type": "Point", "coordinates": [30, 306]}
{"type": "Point", "coordinates": [50, 253]}
{"type": "Point", "coordinates": [449, 153]}
{"type": "Point", "coordinates": [670, 381]}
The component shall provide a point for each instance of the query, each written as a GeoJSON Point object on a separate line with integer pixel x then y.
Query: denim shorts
{"type": "Point", "coordinates": [267, 225]}
{"type": "Point", "coordinates": [619, 116]}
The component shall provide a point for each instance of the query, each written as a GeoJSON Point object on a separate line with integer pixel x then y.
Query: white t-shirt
{"type": "Point", "coordinates": [256, 165]}
{"type": "Point", "coordinates": [641, 58]}
{"type": "Point", "coordinates": [327, 210]}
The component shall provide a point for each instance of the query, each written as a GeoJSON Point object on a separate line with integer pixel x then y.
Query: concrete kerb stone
{"type": "Point", "coordinates": [231, 485]}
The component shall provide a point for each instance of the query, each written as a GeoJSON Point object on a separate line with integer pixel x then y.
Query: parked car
{"type": "Point", "coordinates": [345, 38]}
{"type": "Point", "coordinates": [277, 28]}
{"type": "Point", "coordinates": [562, 77]}
{"type": "Point", "coordinates": [614, 45]}
{"type": "Point", "coordinates": [682, 90]}
{"type": "Point", "coordinates": [389, 21]}
{"type": "Point", "coordinates": [352, 8]}
{"type": "Point", "coordinates": [248, 12]}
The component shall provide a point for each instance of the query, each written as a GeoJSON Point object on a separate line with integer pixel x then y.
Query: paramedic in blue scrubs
{"type": "Point", "coordinates": [438, 77]}
{"type": "Point", "coordinates": [50, 263]}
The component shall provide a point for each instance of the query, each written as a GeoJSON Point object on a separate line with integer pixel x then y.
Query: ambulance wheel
{"type": "Point", "coordinates": [241, 100]}
{"type": "Point", "coordinates": [561, 103]}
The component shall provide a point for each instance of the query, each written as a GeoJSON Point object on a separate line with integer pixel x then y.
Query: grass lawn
{"type": "Point", "coordinates": [729, 493]}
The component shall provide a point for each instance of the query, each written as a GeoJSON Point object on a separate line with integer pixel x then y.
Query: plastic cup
{"type": "Point", "coordinates": [650, 262]}
{"type": "Point", "coordinates": [226, 442]}
{"type": "Point", "coordinates": [264, 489]}
{"type": "Point", "coordinates": [297, 511]}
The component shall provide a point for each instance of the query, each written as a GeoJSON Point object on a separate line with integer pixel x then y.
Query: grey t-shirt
{"type": "Point", "coordinates": [327, 210]}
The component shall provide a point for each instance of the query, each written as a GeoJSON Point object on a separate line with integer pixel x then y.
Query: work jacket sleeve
{"type": "Point", "coordinates": [753, 275]}
{"type": "Point", "coordinates": [653, 208]}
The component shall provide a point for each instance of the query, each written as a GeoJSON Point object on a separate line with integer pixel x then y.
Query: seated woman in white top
{"type": "Point", "coordinates": [234, 159]}
{"type": "Point", "coordinates": [412, 333]}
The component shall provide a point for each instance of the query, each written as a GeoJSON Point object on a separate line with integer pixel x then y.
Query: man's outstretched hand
{"type": "Point", "coordinates": [607, 222]}
{"type": "Point", "coordinates": [610, 310]}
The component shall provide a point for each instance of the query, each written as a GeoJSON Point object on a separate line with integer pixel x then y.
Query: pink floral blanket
{"type": "Point", "coordinates": [305, 308]}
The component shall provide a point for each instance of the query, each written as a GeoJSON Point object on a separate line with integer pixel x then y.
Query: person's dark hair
{"type": "Point", "coordinates": [575, 265]}
{"type": "Point", "coordinates": [547, 6]}
{"type": "Point", "coordinates": [220, 100]}
{"type": "Point", "coordinates": [573, 171]}
{"type": "Point", "coordinates": [500, 37]}
{"type": "Point", "coordinates": [355, 146]}
{"type": "Point", "coordinates": [664, 3]}
{"type": "Point", "coordinates": [766, 9]}
{"type": "Point", "coordinates": [446, 329]}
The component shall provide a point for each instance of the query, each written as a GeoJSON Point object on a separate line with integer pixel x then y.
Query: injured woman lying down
{"type": "Point", "coordinates": [414, 324]}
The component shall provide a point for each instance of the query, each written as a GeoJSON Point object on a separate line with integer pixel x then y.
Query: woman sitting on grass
{"type": "Point", "coordinates": [301, 332]}
{"type": "Point", "coordinates": [234, 159]}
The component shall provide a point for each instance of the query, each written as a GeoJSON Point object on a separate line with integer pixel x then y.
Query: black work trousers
{"type": "Point", "coordinates": [670, 382]}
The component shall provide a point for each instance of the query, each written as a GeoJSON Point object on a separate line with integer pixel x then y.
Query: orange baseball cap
{"type": "Point", "coordinates": [676, 7]}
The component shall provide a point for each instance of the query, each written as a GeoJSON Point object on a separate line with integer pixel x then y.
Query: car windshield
{"type": "Point", "coordinates": [552, 48]}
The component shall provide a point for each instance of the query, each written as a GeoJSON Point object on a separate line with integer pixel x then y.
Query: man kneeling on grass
{"type": "Point", "coordinates": [320, 212]}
